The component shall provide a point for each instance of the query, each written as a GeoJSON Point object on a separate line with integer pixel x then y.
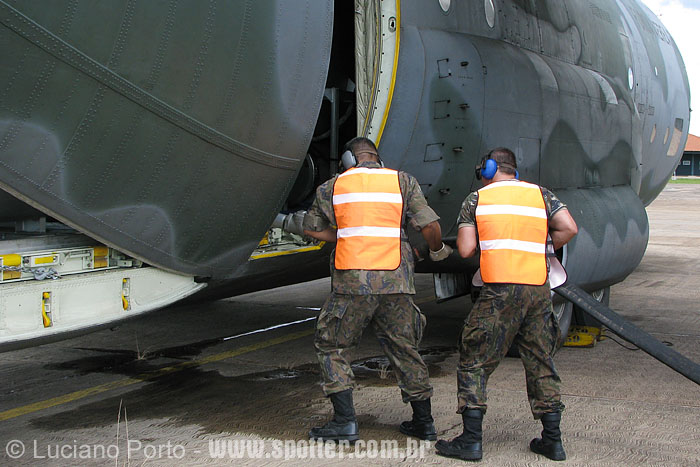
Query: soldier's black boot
{"type": "Point", "coordinates": [466, 446]}
{"type": "Point", "coordinates": [343, 425]}
{"type": "Point", "coordinates": [421, 426]}
{"type": "Point", "coordinates": [550, 444]}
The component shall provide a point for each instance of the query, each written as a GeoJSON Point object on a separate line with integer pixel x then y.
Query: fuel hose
{"type": "Point", "coordinates": [630, 332]}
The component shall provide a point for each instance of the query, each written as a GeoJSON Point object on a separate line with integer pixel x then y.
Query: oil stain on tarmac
{"type": "Point", "coordinates": [282, 403]}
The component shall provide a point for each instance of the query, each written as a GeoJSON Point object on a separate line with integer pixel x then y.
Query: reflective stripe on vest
{"type": "Point", "coordinates": [368, 209]}
{"type": "Point", "coordinates": [511, 220]}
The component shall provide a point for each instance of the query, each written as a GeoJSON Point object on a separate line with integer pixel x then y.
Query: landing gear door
{"type": "Point", "coordinates": [377, 31]}
{"type": "Point", "coordinates": [367, 48]}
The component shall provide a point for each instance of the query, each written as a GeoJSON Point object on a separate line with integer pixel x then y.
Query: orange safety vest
{"type": "Point", "coordinates": [511, 220]}
{"type": "Point", "coordinates": [368, 210]}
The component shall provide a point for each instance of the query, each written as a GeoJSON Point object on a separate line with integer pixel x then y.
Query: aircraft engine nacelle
{"type": "Point", "coordinates": [612, 238]}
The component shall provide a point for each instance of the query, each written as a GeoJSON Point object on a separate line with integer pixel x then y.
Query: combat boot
{"type": "Point", "coordinates": [550, 444]}
{"type": "Point", "coordinates": [343, 425]}
{"type": "Point", "coordinates": [466, 446]}
{"type": "Point", "coordinates": [421, 426]}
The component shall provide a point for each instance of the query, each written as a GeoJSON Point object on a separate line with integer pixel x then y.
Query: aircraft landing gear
{"type": "Point", "coordinates": [564, 313]}
{"type": "Point", "coordinates": [585, 330]}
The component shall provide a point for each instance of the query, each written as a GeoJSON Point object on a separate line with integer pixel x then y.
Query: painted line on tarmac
{"type": "Point", "coordinates": [276, 326]}
{"type": "Point", "coordinates": [77, 395]}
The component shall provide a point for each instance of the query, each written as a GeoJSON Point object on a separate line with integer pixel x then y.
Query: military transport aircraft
{"type": "Point", "coordinates": [146, 147]}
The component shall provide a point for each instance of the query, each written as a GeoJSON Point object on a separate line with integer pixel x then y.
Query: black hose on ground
{"type": "Point", "coordinates": [630, 332]}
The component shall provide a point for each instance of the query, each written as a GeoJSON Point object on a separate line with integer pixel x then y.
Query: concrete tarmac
{"type": "Point", "coordinates": [210, 384]}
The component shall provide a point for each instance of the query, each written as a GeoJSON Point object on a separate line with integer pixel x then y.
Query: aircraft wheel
{"type": "Point", "coordinates": [581, 318]}
{"type": "Point", "coordinates": [602, 295]}
{"type": "Point", "coordinates": [563, 312]}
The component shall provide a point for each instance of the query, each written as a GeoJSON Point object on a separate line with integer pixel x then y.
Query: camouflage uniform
{"type": "Point", "coordinates": [383, 298]}
{"type": "Point", "coordinates": [503, 314]}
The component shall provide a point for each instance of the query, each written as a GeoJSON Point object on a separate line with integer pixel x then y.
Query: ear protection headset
{"type": "Point", "coordinates": [488, 167]}
{"type": "Point", "coordinates": [348, 159]}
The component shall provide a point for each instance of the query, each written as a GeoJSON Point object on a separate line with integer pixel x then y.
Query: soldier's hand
{"type": "Point", "coordinates": [441, 254]}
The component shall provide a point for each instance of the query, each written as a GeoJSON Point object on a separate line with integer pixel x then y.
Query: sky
{"type": "Point", "coordinates": [682, 19]}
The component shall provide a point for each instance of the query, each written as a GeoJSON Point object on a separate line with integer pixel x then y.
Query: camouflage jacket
{"type": "Point", "coordinates": [363, 282]}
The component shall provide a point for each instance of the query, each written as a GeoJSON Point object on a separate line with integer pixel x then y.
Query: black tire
{"type": "Point", "coordinates": [581, 318]}
{"type": "Point", "coordinates": [563, 312]}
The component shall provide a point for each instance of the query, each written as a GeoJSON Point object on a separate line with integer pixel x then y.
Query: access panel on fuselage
{"type": "Point", "coordinates": [438, 101]}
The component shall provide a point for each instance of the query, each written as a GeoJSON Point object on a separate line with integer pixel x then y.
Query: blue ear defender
{"type": "Point", "coordinates": [489, 169]}
{"type": "Point", "coordinates": [489, 166]}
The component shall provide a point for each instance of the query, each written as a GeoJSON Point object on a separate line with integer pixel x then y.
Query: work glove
{"type": "Point", "coordinates": [441, 254]}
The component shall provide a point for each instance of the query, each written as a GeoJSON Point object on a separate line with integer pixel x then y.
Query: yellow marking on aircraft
{"type": "Point", "coordinates": [100, 251]}
{"type": "Point", "coordinates": [11, 260]}
{"type": "Point", "coordinates": [393, 72]}
{"type": "Point", "coordinates": [288, 252]}
{"type": "Point", "coordinates": [45, 260]}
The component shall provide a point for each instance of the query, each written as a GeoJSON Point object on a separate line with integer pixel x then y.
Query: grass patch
{"type": "Point", "coordinates": [687, 181]}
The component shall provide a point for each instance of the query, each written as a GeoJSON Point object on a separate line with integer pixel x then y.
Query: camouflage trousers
{"type": "Point", "coordinates": [398, 324]}
{"type": "Point", "coordinates": [505, 314]}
